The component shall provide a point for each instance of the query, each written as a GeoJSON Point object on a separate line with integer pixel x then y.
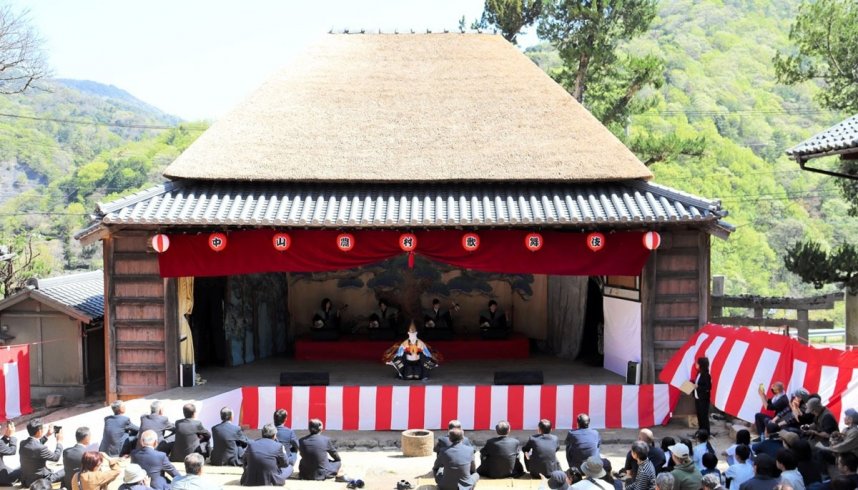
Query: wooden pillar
{"type": "Point", "coordinates": [803, 327]}
{"type": "Point", "coordinates": [109, 327]}
{"type": "Point", "coordinates": [171, 332]}
{"type": "Point", "coordinates": [648, 293]}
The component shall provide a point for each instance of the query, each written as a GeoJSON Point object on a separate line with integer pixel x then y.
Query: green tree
{"type": "Point", "coordinates": [509, 16]}
{"type": "Point", "coordinates": [587, 35]}
{"type": "Point", "coordinates": [824, 37]}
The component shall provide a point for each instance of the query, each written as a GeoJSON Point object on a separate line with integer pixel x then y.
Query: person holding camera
{"type": "Point", "coordinates": [35, 455]}
{"type": "Point", "coordinates": [824, 424]}
{"type": "Point", "coordinates": [8, 447]}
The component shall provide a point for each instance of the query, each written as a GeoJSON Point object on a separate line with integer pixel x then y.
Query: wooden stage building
{"type": "Point", "coordinates": [376, 135]}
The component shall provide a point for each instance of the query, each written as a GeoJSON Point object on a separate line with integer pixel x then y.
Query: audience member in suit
{"type": "Point", "coordinates": [159, 424]}
{"type": "Point", "coordinates": [266, 461]}
{"type": "Point", "coordinates": [34, 455]}
{"type": "Point", "coordinates": [499, 457]}
{"type": "Point", "coordinates": [191, 436]}
{"type": "Point", "coordinates": [540, 451]}
{"type": "Point", "coordinates": [73, 455]}
{"type": "Point", "coordinates": [155, 463]}
{"type": "Point", "coordinates": [315, 450]}
{"type": "Point", "coordinates": [581, 443]}
{"type": "Point", "coordinates": [135, 478]}
{"type": "Point", "coordinates": [286, 436]}
{"type": "Point", "coordinates": [228, 441]}
{"type": "Point", "coordinates": [454, 468]}
{"type": "Point", "coordinates": [193, 479]}
{"type": "Point", "coordinates": [119, 436]}
{"type": "Point", "coordinates": [444, 441]}
{"type": "Point", "coordinates": [8, 447]}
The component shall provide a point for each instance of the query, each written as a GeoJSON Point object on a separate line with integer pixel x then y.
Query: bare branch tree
{"type": "Point", "coordinates": [22, 59]}
{"type": "Point", "coordinates": [17, 269]}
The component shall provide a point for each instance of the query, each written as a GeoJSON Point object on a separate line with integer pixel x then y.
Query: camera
{"type": "Point", "coordinates": [57, 429]}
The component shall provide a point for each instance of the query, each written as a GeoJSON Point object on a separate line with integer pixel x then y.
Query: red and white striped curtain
{"type": "Point", "coordinates": [477, 407]}
{"type": "Point", "coordinates": [15, 381]}
{"type": "Point", "coordinates": [742, 359]}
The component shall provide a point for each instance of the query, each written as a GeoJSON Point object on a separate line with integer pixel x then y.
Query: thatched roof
{"type": "Point", "coordinates": [409, 108]}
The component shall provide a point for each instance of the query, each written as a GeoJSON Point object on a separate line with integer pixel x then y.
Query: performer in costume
{"type": "Point", "coordinates": [412, 359]}
{"type": "Point", "coordinates": [326, 322]}
{"type": "Point", "coordinates": [384, 322]}
{"type": "Point", "coordinates": [493, 322]}
{"type": "Point", "coordinates": [438, 322]}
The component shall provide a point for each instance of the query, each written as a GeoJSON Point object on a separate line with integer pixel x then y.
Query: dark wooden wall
{"type": "Point", "coordinates": [140, 343]}
{"type": "Point", "coordinates": [675, 296]}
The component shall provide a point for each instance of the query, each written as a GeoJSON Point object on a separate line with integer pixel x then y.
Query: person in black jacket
{"type": "Point", "coordinates": [581, 443]}
{"type": "Point", "coordinates": [34, 455]}
{"type": "Point", "coordinates": [443, 442]}
{"type": "Point", "coordinates": [777, 404]}
{"type": "Point", "coordinates": [159, 424]}
{"type": "Point", "coordinates": [702, 393]}
{"type": "Point", "coordinates": [540, 451]}
{"type": "Point", "coordinates": [315, 449]}
{"type": "Point", "coordinates": [229, 441]}
{"type": "Point", "coordinates": [454, 468]}
{"type": "Point", "coordinates": [8, 447]}
{"type": "Point", "coordinates": [73, 455]}
{"type": "Point", "coordinates": [265, 461]}
{"type": "Point", "coordinates": [119, 436]}
{"type": "Point", "coordinates": [191, 436]}
{"type": "Point", "coordinates": [499, 457]}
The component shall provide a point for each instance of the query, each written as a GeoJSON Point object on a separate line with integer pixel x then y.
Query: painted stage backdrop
{"type": "Point", "coordinates": [522, 296]}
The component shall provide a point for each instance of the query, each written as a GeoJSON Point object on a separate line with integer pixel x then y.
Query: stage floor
{"type": "Point", "coordinates": [350, 373]}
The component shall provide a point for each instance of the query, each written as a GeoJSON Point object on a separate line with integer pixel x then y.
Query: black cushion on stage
{"type": "Point", "coordinates": [305, 378]}
{"type": "Point", "coordinates": [518, 378]}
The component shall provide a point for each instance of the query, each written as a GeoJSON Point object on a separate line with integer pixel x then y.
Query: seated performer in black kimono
{"type": "Point", "coordinates": [437, 322]}
{"type": "Point", "coordinates": [493, 322]}
{"type": "Point", "coordinates": [412, 359]}
{"type": "Point", "coordinates": [384, 322]}
{"type": "Point", "coordinates": [326, 322]}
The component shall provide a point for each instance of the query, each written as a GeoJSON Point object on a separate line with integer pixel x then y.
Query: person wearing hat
{"type": "Point", "coordinates": [135, 478]}
{"type": "Point", "coordinates": [846, 441]}
{"type": "Point", "coordinates": [685, 473]}
{"type": "Point", "coordinates": [558, 480]}
{"type": "Point", "coordinates": [788, 438]}
{"type": "Point", "coordinates": [593, 471]}
{"type": "Point", "coordinates": [789, 417]}
{"type": "Point", "coordinates": [824, 424]}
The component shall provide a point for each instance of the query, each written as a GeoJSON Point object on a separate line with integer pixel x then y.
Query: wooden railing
{"type": "Point", "coordinates": [759, 305]}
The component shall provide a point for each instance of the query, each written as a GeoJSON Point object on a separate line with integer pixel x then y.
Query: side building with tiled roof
{"type": "Point", "coordinates": [430, 134]}
{"type": "Point", "coordinates": [61, 318]}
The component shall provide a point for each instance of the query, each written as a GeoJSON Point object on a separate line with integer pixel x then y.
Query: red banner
{"type": "Point", "coordinates": [742, 359]}
{"type": "Point", "coordinates": [500, 251]}
{"type": "Point", "coordinates": [15, 360]}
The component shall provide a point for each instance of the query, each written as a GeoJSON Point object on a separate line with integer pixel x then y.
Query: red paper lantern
{"type": "Point", "coordinates": [651, 240]}
{"type": "Point", "coordinates": [345, 241]}
{"type": "Point", "coordinates": [281, 241]}
{"type": "Point", "coordinates": [217, 241]}
{"type": "Point", "coordinates": [160, 243]}
{"type": "Point", "coordinates": [533, 242]}
{"type": "Point", "coordinates": [470, 242]}
{"type": "Point", "coordinates": [407, 242]}
{"type": "Point", "coordinates": [595, 241]}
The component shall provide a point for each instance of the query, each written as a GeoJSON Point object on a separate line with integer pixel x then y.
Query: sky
{"type": "Point", "coordinates": [197, 59]}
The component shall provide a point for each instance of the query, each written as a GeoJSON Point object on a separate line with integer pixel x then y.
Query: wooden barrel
{"type": "Point", "coordinates": [417, 442]}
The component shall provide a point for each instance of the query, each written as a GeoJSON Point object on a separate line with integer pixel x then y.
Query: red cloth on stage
{"type": "Point", "coordinates": [500, 251]}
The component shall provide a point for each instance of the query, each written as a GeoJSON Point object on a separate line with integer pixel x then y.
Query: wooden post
{"type": "Point", "coordinates": [648, 290]}
{"type": "Point", "coordinates": [109, 327]}
{"type": "Point", "coordinates": [717, 291]}
{"type": "Point", "coordinates": [803, 327]}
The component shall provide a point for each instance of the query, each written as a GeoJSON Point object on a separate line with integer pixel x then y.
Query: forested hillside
{"type": "Point", "coordinates": [66, 146]}
{"type": "Point", "coordinates": [720, 83]}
